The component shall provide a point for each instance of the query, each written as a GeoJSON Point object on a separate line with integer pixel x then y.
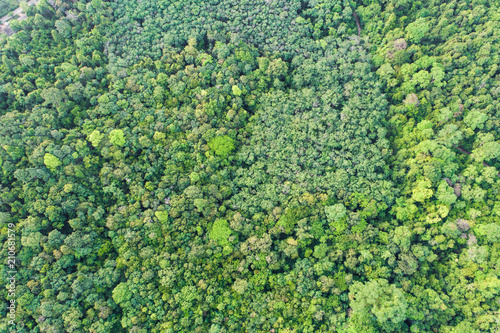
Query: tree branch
{"type": "Point", "coordinates": [357, 22]}
{"type": "Point", "coordinates": [466, 152]}
{"type": "Point", "coordinates": [462, 150]}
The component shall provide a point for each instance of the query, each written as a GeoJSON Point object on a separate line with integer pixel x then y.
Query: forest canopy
{"type": "Point", "coordinates": [251, 166]}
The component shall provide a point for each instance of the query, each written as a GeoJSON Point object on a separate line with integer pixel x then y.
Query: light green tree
{"type": "Point", "coordinates": [236, 91]}
{"type": "Point", "coordinates": [379, 301]}
{"type": "Point", "coordinates": [445, 193]}
{"type": "Point", "coordinates": [222, 145]}
{"type": "Point", "coordinates": [335, 212]}
{"type": "Point", "coordinates": [422, 191]}
{"type": "Point", "coordinates": [220, 232]}
{"type": "Point", "coordinates": [417, 29]}
{"type": "Point", "coordinates": [117, 137]}
{"type": "Point", "coordinates": [51, 161]}
{"type": "Point", "coordinates": [121, 293]}
{"type": "Point", "coordinates": [95, 138]}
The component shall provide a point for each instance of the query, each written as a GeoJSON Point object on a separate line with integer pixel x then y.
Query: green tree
{"type": "Point", "coordinates": [51, 162]}
{"type": "Point", "coordinates": [417, 30]}
{"type": "Point", "coordinates": [222, 145]}
{"type": "Point", "coordinates": [117, 137]}
{"type": "Point", "coordinates": [95, 138]}
{"type": "Point", "coordinates": [221, 232]}
{"type": "Point", "coordinates": [379, 301]}
{"type": "Point", "coordinates": [121, 293]}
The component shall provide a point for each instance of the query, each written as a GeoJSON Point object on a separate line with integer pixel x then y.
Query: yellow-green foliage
{"type": "Point", "coordinates": [222, 145]}
{"type": "Point", "coordinates": [51, 161]}
{"type": "Point", "coordinates": [162, 216]}
{"type": "Point", "coordinates": [68, 188]}
{"type": "Point", "coordinates": [121, 293]}
{"type": "Point", "coordinates": [227, 166]}
{"type": "Point", "coordinates": [159, 136]}
{"type": "Point", "coordinates": [117, 137]}
{"type": "Point", "coordinates": [95, 138]}
{"type": "Point", "coordinates": [220, 232]}
{"type": "Point", "coordinates": [236, 91]}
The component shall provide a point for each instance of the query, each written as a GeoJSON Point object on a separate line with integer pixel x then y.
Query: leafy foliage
{"type": "Point", "coordinates": [227, 166]}
{"type": "Point", "coordinates": [222, 145]}
{"type": "Point", "coordinates": [220, 232]}
{"type": "Point", "coordinates": [117, 137]}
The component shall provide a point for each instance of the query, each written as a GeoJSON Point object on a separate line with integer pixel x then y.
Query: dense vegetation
{"type": "Point", "coordinates": [252, 166]}
{"type": "Point", "coordinates": [7, 5]}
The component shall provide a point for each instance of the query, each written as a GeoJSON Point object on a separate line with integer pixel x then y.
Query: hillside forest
{"type": "Point", "coordinates": [228, 166]}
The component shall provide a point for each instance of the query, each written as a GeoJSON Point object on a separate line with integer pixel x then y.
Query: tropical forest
{"type": "Point", "coordinates": [227, 166]}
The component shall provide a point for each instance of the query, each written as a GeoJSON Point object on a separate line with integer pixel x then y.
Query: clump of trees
{"type": "Point", "coordinates": [227, 167]}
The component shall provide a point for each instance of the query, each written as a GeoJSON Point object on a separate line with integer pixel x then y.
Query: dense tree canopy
{"type": "Point", "coordinates": [252, 166]}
